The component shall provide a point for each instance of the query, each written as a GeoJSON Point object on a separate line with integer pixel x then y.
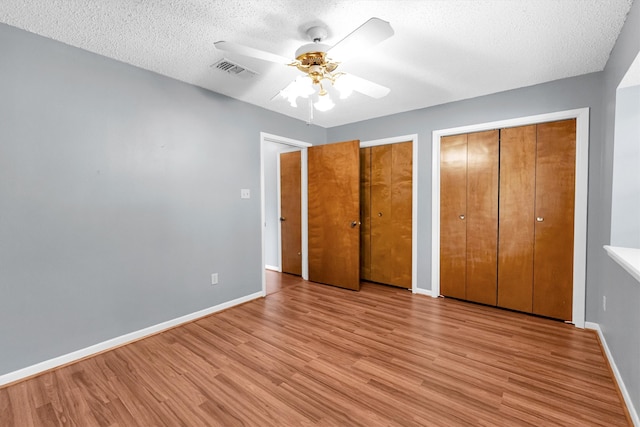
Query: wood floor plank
{"type": "Point", "coordinates": [314, 355]}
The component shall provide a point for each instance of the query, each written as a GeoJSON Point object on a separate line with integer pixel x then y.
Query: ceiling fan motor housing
{"type": "Point", "coordinates": [308, 48]}
{"type": "Point", "coordinates": [312, 59]}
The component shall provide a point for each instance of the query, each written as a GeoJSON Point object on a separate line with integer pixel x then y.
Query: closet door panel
{"type": "Point", "coordinates": [381, 230]}
{"type": "Point", "coordinates": [482, 216]}
{"type": "Point", "coordinates": [555, 188]}
{"type": "Point", "coordinates": [365, 213]}
{"type": "Point", "coordinates": [401, 204]}
{"type": "Point", "coordinates": [453, 207]}
{"type": "Point", "coordinates": [517, 196]}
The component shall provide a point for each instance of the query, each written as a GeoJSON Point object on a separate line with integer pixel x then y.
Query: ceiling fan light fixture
{"type": "Point", "coordinates": [324, 103]}
{"type": "Point", "coordinates": [343, 85]}
{"type": "Point", "coordinates": [300, 87]}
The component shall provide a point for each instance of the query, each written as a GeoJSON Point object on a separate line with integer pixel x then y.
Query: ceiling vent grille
{"type": "Point", "coordinates": [234, 69]}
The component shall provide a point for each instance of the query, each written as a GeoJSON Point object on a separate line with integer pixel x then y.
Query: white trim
{"type": "Point", "coordinates": [413, 138]}
{"type": "Point", "coordinates": [420, 291]}
{"type": "Point", "coordinates": [273, 268]}
{"type": "Point", "coordinates": [304, 200]}
{"type": "Point", "coordinates": [119, 341]}
{"type": "Point", "coordinates": [616, 373]}
{"type": "Point", "coordinates": [580, 211]}
{"type": "Point", "coordinates": [279, 199]}
{"type": "Point", "coordinates": [628, 258]}
{"type": "Point", "coordinates": [266, 138]}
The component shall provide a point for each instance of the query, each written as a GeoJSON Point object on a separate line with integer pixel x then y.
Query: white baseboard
{"type": "Point", "coordinates": [119, 341]}
{"type": "Point", "coordinates": [420, 291]}
{"type": "Point", "coordinates": [273, 267]}
{"type": "Point", "coordinates": [625, 394]}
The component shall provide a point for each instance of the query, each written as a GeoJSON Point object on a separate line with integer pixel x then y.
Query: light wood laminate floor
{"type": "Point", "coordinates": [310, 354]}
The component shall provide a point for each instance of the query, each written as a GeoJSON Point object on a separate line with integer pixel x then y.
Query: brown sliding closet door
{"type": "Point", "coordinates": [517, 197]}
{"type": "Point", "coordinates": [522, 260]}
{"type": "Point", "coordinates": [469, 216]}
{"type": "Point", "coordinates": [453, 209]}
{"type": "Point", "coordinates": [386, 189]}
{"type": "Point", "coordinates": [401, 211]}
{"type": "Point", "coordinates": [365, 213]}
{"type": "Point", "coordinates": [555, 189]}
{"type": "Point", "coordinates": [381, 232]}
{"type": "Point", "coordinates": [482, 216]}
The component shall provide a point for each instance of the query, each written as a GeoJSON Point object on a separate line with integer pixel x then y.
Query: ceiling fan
{"type": "Point", "coordinates": [318, 63]}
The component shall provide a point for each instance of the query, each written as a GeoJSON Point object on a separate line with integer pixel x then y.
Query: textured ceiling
{"type": "Point", "coordinates": [442, 51]}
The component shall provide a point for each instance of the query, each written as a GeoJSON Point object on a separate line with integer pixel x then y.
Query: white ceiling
{"type": "Point", "coordinates": [442, 51]}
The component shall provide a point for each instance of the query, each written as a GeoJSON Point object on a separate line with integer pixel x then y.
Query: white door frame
{"type": "Point", "coordinates": [414, 198]}
{"type": "Point", "coordinates": [266, 138]}
{"type": "Point", "coordinates": [580, 210]}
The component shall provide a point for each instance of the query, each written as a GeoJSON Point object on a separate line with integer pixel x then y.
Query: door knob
{"type": "Point", "coordinates": [283, 218]}
{"type": "Point", "coordinates": [354, 223]}
{"type": "Point", "coordinates": [539, 219]}
{"type": "Point", "coordinates": [461, 217]}
{"type": "Point", "coordinates": [379, 213]}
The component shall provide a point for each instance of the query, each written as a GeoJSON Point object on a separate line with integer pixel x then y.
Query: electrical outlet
{"type": "Point", "coordinates": [214, 278]}
{"type": "Point", "coordinates": [245, 193]}
{"type": "Point", "coordinates": [604, 303]}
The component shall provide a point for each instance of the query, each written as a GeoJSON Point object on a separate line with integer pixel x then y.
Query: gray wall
{"type": "Point", "coordinates": [620, 323]}
{"type": "Point", "coordinates": [119, 196]}
{"type": "Point", "coordinates": [625, 204]}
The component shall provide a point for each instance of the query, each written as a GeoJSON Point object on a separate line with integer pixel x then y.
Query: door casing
{"type": "Point", "coordinates": [267, 138]}
{"type": "Point", "coordinates": [581, 190]}
{"type": "Point", "coordinates": [413, 138]}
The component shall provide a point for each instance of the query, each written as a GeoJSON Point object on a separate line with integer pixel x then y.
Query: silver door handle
{"type": "Point", "coordinates": [283, 218]}
{"type": "Point", "coordinates": [354, 223]}
{"type": "Point", "coordinates": [461, 216]}
{"type": "Point", "coordinates": [539, 219]}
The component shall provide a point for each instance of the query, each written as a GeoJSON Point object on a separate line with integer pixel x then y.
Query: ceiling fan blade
{"type": "Point", "coordinates": [251, 52]}
{"type": "Point", "coordinates": [364, 86]}
{"type": "Point", "coordinates": [365, 36]}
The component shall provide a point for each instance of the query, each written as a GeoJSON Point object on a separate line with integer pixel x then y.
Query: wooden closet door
{"type": "Point", "coordinates": [381, 230]}
{"type": "Point", "coordinates": [482, 216]}
{"type": "Point", "coordinates": [554, 211]}
{"type": "Point", "coordinates": [401, 213]}
{"type": "Point", "coordinates": [334, 214]}
{"type": "Point", "coordinates": [291, 212]}
{"type": "Point", "coordinates": [386, 190]}
{"type": "Point", "coordinates": [453, 208]}
{"type": "Point", "coordinates": [365, 213]}
{"type": "Point", "coordinates": [517, 216]}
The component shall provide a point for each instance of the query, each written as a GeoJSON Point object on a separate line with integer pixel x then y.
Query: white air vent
{"type": "Point", "coordinates": [234, 69]}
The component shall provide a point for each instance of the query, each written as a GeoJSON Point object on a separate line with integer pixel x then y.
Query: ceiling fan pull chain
{"type": "Point", "coordinates": [310, 111]}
